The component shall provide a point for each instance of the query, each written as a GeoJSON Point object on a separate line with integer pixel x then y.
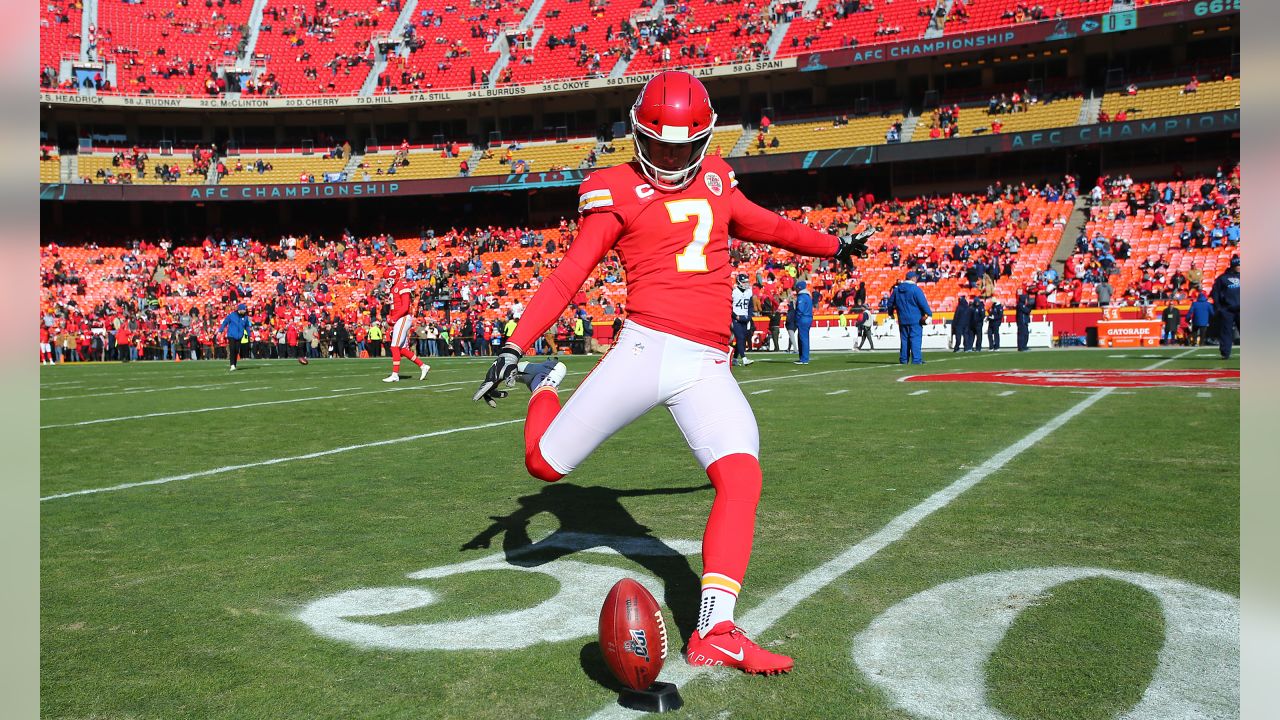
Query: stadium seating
{"type": "Point", "coordinates": [191, 39]}
{"type": "Point", "coordinates": [538, 157]}
{"type": "Point", "coordinates": [422, 164]}
{"type": "Point", "coordinates": [974, 118]}
{"type": "Point", "coordinates": [1166, 100]}
{"type": "Point", "coordinates": [60, 22]}
{"type": "Point", "coordinates": [887, 22]}
{"type": "Point", "coordinates": [450, 52]}
{"type": "Point", "coordinates": [51, 169]}
{"type": "Point", "coordinates": [1148, 243]}
{"type": "Point", "coordinates": [589, 22]}
{"type": "Point", "coordinates": [328, 53]}
{"type": "Point", "coordinates": [711, 33]}
{"type": "Point", "coordinates": [987, 14]}
{"type": "Point", "coordinates": [722, 138]}
{"type": "Point", "coordinates": [89, 165]}
{"type": "Point", "coordinates": [285, 168]}
{"type": "Point", "coordinates": [823, 134]}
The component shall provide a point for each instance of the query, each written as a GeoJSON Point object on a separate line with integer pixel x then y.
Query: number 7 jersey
{"type": "Point", "coordinates": [674, 247]}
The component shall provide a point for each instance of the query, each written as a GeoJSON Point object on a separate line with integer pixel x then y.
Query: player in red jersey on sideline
{"type": "Point", "coordinates": [401, 319]}
{"type": "Point", "coordinates": [669, 215]}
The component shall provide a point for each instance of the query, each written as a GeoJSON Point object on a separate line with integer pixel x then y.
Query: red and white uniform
{"type": "Point", "coordinates": [401, 311]}
{"type": "Point", "coordinates": [673, 348]}
{"type": "Point", "coordinates": [674, 248]}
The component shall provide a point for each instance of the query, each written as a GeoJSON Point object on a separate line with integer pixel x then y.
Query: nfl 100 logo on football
{"type": "Point", "coordinates": [638, 644]}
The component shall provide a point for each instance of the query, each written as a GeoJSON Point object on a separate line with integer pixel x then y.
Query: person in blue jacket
{"type": "Point", "coordinates": [959, 324]}
{"type": "Point", "coordinates": [804, 320]}
{"type": "Point", "coordinates": [908, 304]}
{"type": "Point", "coordinates": [1198, 316]}
{"type": "Point", "coordinates": [236, 326]}
{"type": "Point", "coordinates": [1226, 305]}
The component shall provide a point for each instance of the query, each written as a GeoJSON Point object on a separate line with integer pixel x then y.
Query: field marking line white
{"type": "Point", "coordinates": [1006, 393]}
{"type": "Point", "coordinates": [760, 618]}
{"type": "Point", "coordinates": [449, 390]}
{"type": "Point", "coordinates": [222, 407]}
{"type": "Point", "coordinates": [261, 387]}
{"type": "Point", "coordinates": [1204, 394]}
{"type": "Point", "coordinates": [346, 389]}
{"type": "Point", "coordinates": [829, 372]}
{"type": "Point", "coordinates": [918, 392]}
{"type": "Point", "coordinates": [838, 392]}
{"type": "Point", "coordinates": [277, 461]}
{"type": "Point", "coordinates": [57, 384]}
{"type": "Point", "coordinates": [135, 391]}
{"type": "Point", "coordinates": [761, 392]}
{"type": "Point", "coordinates": [309, 387]}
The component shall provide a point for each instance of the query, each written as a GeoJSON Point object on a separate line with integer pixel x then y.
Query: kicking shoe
{"type": "Point", "coordinates": [727, 645]}
{"type": "Point", "coordinates": [746, 360]}
{"type": "Point", "coordinates": [534, 376]}
{"type": "Point", "coordinates": [422, 373]}
{"type": "Point", "coordinates": [233, 368]}
{"type": "Point", "coordinates": [393, 377]}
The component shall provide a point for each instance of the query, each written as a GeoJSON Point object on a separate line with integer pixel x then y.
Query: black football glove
{"type": "Point", "coordinates": [502, 373]}
{"type": "Point", "coordinates": [853, 246]}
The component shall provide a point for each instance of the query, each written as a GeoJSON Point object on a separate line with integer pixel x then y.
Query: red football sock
{"type": "Point", "coordinates": [726, 543]}
{"type": "Point", "coordinates": [407, 353]}
{"type": "Point", "coordinates": [395, 360]}
{"type": "Point", "coordinates": [543, 407]}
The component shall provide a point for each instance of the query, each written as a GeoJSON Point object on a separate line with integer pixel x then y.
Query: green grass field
{"type": "Point", "coordinates": [239, 545]}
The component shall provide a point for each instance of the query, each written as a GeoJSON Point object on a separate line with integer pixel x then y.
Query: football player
{"type": "Point", "coordinates": [742, 311]}
{"type": "Point", "coordinates": [669, 214]}
{"type": "Point", "coordinates": [401, 319]}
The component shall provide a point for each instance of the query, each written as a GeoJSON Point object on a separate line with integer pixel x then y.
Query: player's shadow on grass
{"type": "Point", "coordinates": [592, 517]}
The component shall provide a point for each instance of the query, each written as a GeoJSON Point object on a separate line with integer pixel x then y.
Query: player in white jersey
{"type": "Point", "coordinates": [743, 310]}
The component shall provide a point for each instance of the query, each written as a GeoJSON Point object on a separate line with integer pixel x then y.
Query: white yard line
{"type": "Point", "coordinates": [260, 387]}
{"type": "Point", "coordinates": [775, 607]}
{"type": "Point", "coordinates": [277, 461]}
{"type": "Point", "coordinates": [223, 407]}
{"type": "Point", "coordinates": [918, 392]}
{"type": "Point", "coordinates": [309, 387]}
{"type": "Point", "coordinates": [1007, 393]}
{"type": "Point", "coordinates": [135, 391]}
{"type": "Point", "coordinates": [346, 389]}
{"type": "Point", "coordinates": [761, 392]}
{"type": "Point", "coordinates": [1204, 394]}
{"type": "Point", "coordinates": [838, 392]}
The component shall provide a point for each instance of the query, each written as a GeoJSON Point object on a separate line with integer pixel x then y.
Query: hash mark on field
{"type": "Point", "coordinates": [263, 387]}
{"type": "Point", "coordinates": [775, 607]}
{"type": "Point", "coordinates": [1087, 392]}
{"type": "Point", "coordinates": [1007, 393]}
{"type": "Point", "coordinates": [838, 392]}
{"type": "Point", "coordinates": [311, 387]}
{"type": "Point", "coordinates": [346, 389]}
{"type": "Point", "coordinates": [918, 392]}
{"type": "Point", "coordinates": [1204, 394]}
{"type": "Point", "coordinates": [761, 392]}
{"type": "Point", "coordinates": [277, 461]}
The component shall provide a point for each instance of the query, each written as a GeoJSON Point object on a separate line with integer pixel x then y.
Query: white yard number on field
{"type": "Point", "coordinates": [571, 613]}
{"type": "Point", "coordinates": [929, 651]}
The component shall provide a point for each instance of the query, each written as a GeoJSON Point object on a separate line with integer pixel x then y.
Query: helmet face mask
{"type": "Point", "coordinates": [671, 124]}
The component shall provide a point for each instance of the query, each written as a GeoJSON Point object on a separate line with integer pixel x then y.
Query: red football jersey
{"type": "Point", "coordinates": [674, 248]}
{"type": "Point", "coordinates": [401, 298]}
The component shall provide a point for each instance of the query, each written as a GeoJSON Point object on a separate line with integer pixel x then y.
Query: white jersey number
{"type": "Point", "coordinates": [693, 258]}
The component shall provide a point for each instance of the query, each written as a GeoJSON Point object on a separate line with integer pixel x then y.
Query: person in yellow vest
{"type": "Point", "coordinates": [375, 339]}
{"type": "Point", "coordinates": [579, 336]}
{"type": "Point", "coordinates": [508, 327]}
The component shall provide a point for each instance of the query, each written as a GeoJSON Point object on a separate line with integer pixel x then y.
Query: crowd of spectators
{"type": "Point", "coordinates": [169, 296]}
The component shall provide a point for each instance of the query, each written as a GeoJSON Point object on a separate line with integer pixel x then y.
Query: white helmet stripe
{"type": "Point", "coordinates": [675, 133]}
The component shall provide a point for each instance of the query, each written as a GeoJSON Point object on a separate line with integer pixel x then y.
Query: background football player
{"type": "Point", "coordinates": [669, 214]}
{"type": "Point", "coordinates": [743, 310]}
{"type": "Point", "coordinates": [401, 319]}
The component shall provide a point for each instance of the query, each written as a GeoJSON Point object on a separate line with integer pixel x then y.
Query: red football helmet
{"type": "Point", "coordinates": [671, 124]}
{"type": "Point", "coordinates": [391, 272]}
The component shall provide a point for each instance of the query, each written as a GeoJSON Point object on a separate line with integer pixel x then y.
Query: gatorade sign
{"type": "Point", "coordinates": [1094, 378]}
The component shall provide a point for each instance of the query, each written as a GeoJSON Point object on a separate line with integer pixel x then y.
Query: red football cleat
{"type": "Point", "coordinates": [727, 645]}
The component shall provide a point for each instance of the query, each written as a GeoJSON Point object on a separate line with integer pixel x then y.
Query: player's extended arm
{"type": "Point", "coordinates": [756, 224]}
{"type": "Point", "coordinates": [596, 235]}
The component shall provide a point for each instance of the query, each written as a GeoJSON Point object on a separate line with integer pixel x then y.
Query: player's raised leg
{"type": "Point", "coordinates": [622, 387]}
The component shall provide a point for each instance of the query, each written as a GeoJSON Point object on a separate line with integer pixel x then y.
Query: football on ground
{"type": "Point", "coordinates": [633, 635]}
